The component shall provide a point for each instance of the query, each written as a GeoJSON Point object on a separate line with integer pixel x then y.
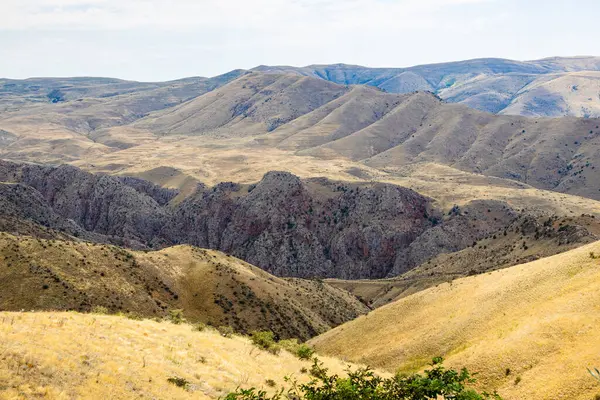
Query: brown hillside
{"type": "Point", "coordinates": [209, 286]}
{"type": "Point", "coordinates": [254, 103]}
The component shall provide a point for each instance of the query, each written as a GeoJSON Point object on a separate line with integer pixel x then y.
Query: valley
{"type": "Point", "coordinates": [384, 216]}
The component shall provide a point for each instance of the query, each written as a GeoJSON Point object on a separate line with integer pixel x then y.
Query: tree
{"type": "Point", "coordinates": [56, 96]}
{"type": "Point", "coordinates": [363, 384]}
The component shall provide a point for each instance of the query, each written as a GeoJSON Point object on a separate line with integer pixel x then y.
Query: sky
{"type": "Point", "coordinates": [156, 40]}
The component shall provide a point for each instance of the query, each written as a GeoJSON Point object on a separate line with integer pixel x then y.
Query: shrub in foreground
{"type": "Point", "coordinates": [363, 384]}
{"type": "Point", "coordinates": [266, 341]}
{"type": "Point", "coordinates": [179, 382]}
{"type": "Point", "coordinates": [302, 351]}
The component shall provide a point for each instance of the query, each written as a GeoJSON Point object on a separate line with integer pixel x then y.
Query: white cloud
{"type": "Point", "coordinates": [260, 15]}
{"type": "Point", "coordinates": [167, 39]}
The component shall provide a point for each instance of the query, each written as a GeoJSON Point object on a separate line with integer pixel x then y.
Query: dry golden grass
{"type": "Point", "coordinates": [71, 355]}
{"type": "Point", "coordinates": [530, 330]}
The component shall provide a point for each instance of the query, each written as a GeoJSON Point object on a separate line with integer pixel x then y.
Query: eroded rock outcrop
{"type": "Point", "coordinates": [283, 224]}
{"type": "Point", "coordinates": [306, 228]}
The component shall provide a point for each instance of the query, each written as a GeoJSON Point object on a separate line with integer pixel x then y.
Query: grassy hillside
{"type": "Point", "coordinates": [529, 330]}
{"type": "Point", "coordinates": [573, 94]}
{"type": "Point", "coordinates": [254, 103]}
{"type": "Point", "coordinates": [37, 274]}
{"type": "Point", "coordinates": [69, 355]}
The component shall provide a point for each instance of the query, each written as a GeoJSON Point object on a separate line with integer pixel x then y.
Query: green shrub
{"type": "Point", "coordinates": [56, 96]}
{"type": "Point", "coordinates": [252, 394]}
{"type": "Point", "coordinates": [290, 345]}
{"type": "Point", "coordinates": [265, 340]}
{"type": "Point", "coordinates": [200, 327]}
{"type": "Point", "coordinates": [304, 352]}
{"type": "Point", "coordinates": [226, 331]}
{"type": "Point", "coordinates": [176, 317]}
{"type": "Point", "coordinates": [179, 382]}
{"type": "Point", "coordinates": [363, 384]}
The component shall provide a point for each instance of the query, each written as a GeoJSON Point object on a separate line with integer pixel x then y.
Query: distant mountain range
{"type": "Point", "coordinates": [386, 131]}
{"type": "Point", "coordinates": [551, 87]}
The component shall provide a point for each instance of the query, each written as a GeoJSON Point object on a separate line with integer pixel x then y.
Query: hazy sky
{"type": "Point", "coordinates": [169, 39]}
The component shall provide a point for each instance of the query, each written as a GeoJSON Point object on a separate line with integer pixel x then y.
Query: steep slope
{"type": "Point", "coordinates": [254, 103]}
{"type": "Point", "coordinates": [23, 210]}
{"type": "Point", "coordinates": [99, 204]}
{"type": "Point", "coordinates": [105, 357]}
{"type": "Point", "coordinates": [573, 94]}
{"type": "Point", "coordinates": [209, 286]}
{"type": "Point", "coordinates": [355, 110]}
{"type": "Point", "coordinates": [312, 228]}
{"type": "Point", "coordinates": [528, 330]}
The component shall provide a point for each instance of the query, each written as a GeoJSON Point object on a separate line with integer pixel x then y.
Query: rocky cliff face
{"type": "Point", "coordinates": [285, 225]}
{"type": "Point", "coordinates": [306, 228]}
{"type": "Point", "coordinates": [161, 195]}
{"type": "Point", "coordinates": [101, 204]}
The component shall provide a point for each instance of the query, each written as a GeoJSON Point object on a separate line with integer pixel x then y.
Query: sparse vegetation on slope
{"type": "Point", "coordinates": [177, 283]}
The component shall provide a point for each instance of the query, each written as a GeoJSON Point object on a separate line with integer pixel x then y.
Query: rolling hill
{"type": "Point", "coordinates": [386, 131]}
{"type": "Point", "coordinates": [552, 87]}
{"type": "Point", "coordinates": [209, 286]}
{"type": "Point", "coordinates": [528, 330]}
{"type": "Point", "coordinates": [79, 126]}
